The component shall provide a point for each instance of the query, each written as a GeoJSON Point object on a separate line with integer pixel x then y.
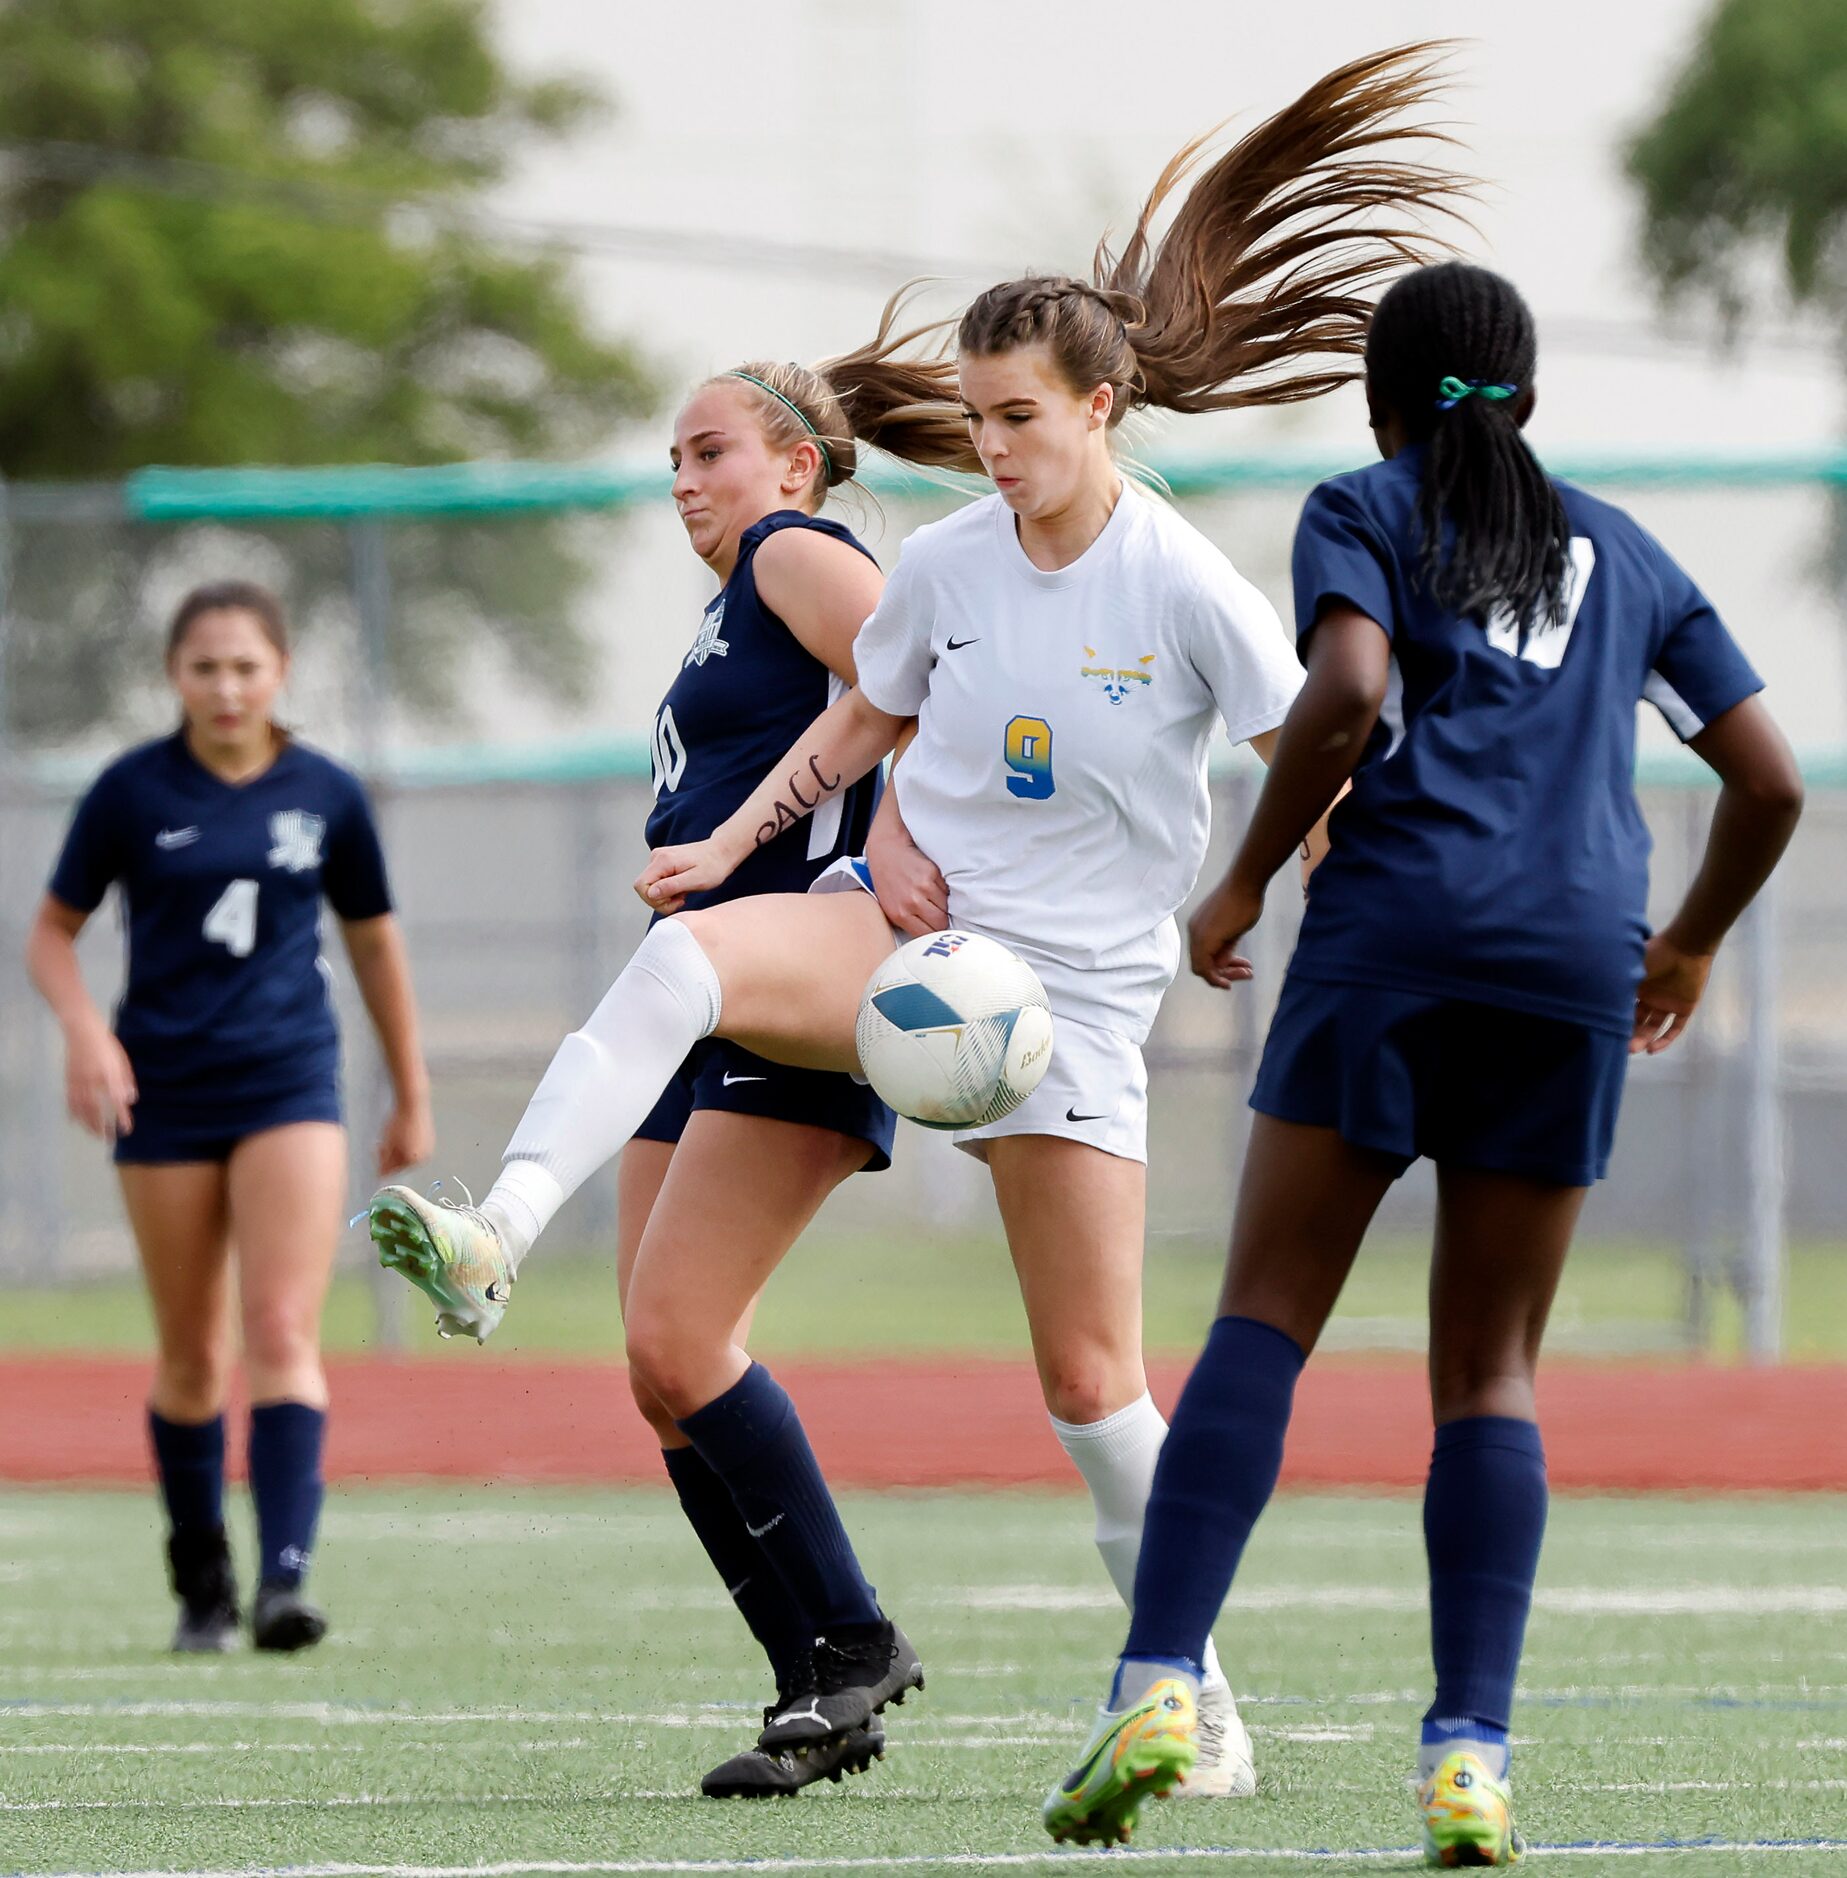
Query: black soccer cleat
{"type": "Point", "coordinates": [282, 1619]}
{"type": "Point", "coordinates": [856, 1672]}
{"type": "Point", "coordinates": [199, 1568]}
{"type": "Point", "coordinates": [781, 1773]}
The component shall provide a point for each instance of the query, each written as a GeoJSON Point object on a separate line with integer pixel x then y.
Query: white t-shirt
{"type": "Point", "coordinates": [1058, 777]}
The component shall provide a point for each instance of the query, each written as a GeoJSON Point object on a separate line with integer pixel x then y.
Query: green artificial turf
{"type": "Point", "coordinates": [531, 1680]}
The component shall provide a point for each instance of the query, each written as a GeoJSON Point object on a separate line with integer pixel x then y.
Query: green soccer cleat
{"type": "Point", "coordinates": [1468, 1815]}
{"type": "Point", "coordinates": [1138, 1753]}
{"type": "Point", "coordinates": [450, 1251]}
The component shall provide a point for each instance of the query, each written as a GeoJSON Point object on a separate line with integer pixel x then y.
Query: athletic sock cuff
{"type": "Point", "coordinates": [1509, 1432]}
{"type": "Point", "coordinates": [1126, 1430]}
{"type": "Point", "coordinates": [674, 959]}
{"type": "Point", "coordinates": [732, 1428]}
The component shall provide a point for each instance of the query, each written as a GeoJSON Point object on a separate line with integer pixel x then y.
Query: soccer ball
{"type": "Point", "coordinates": [954, 1030]}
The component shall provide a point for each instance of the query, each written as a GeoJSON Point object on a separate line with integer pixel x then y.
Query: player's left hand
{"type": "Point", "coordinates": [408, 1136]}
{"type": "Point", "coordinates": [1220, 920]}
{"type": "Point", "coordinates": [1673, 982]}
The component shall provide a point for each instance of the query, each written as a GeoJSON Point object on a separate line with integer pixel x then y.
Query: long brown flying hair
{"type": "Point", "coordinates": [1254, 294]}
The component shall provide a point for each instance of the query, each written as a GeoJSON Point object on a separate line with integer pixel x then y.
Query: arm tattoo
{"type": "Point", "coordinates": [786, 817]}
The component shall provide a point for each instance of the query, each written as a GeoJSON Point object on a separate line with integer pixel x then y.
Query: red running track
{"type": "Point", "coordinates": [1360, 1422]}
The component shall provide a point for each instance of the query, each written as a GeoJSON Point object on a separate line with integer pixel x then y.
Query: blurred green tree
{"type": "Point", "coordinates": [246, 234]}
{"type": "Point", "coordinates": [1743, 174]}
{"type": "Point", "coordinates": [1743, 171]}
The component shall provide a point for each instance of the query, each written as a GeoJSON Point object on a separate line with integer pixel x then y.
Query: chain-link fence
{"type": "Point", "coordinates": [441, 619]}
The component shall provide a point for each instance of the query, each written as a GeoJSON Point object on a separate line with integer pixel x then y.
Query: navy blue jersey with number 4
{"type": "Point", "coordinates": [1492, 847]}
{"type": "Point", "coordinates": [223, 883]}
{"type": "Point", "coordinates": [745, 691]}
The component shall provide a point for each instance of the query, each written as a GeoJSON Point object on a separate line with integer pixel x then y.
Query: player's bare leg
{"type": "Point", "coordinates": [780, 973]}
{"type": "Point", "coordinates": [179, 1218]}
{"type": "Point", "coordinates": [287, 1187]}
{"type": "Point", "coordinates": [699, 1222]}
{"type": "Point", "coordinates": [1076, 1219]}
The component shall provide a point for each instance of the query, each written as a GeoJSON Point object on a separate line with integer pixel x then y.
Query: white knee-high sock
{"type": "Point", "coordinates": [1116, 1456]}
{"type": "Point", "coordinates": [604, 1080]}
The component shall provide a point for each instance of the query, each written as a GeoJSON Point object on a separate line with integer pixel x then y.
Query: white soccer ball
{"type": "Point", "coordinates": [954, 1030]}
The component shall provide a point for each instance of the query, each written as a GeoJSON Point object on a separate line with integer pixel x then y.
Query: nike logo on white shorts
{"type": "Point", "coordinates": [730, 1079]}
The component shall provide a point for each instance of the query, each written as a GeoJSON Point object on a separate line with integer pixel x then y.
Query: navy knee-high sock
{"type": "Point", "coordinates": [1217, 1470]}
{"type": "Point", "coordinates": [752, 1439]}
{"type": "Point", "coordinates": [189, 1458]}
{"type": "Point", "coordinates": [285, 1483]}
{"type": "Point", "coordinates": [1484, 1519]}
{"type": "Point", "coordinates": [776, 1620]}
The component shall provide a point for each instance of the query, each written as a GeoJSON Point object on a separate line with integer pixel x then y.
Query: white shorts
{"type": "Point", "coordinates": [1095, 1088]}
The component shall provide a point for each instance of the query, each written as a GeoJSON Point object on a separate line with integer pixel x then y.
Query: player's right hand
{"type": "Point", "coordinates": [673, 873]}
{"type": "Point", "coordinates": [1220, 920]}
{"type": "Point", "coordinates": [99, 1084]}
{"type": "Point", "coordinates": [912, 892]}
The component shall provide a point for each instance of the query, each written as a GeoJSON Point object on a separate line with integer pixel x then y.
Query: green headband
{"type": "Point", "coordinates": [827, 456]}
{"type": "Point", "coordinates": [1454, 390]}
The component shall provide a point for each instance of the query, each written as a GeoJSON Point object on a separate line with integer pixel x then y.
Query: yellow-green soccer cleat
{"type": "Point", "coordinates": [1138, 1753]}
{"type": "Point", "coordinates": [1468, 1815]}
{"type": "Point", "coordinates": [450, 1252]}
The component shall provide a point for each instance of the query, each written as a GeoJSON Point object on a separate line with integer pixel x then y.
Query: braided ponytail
{"type": "Point", "coordinates": [1444, 341]}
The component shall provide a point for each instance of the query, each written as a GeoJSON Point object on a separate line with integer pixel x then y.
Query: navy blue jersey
{"type": "Point", "coordinates": [223, 884]}
{"type": "Point", "coordinates": [1492, 847]}
{"type": "Point", "coordinates": [745, 692]}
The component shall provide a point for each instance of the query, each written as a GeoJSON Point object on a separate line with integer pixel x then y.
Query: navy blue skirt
{"type": "Point", "coordinates": [1463, 1084]}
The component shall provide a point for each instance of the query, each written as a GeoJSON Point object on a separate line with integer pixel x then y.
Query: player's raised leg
{"type": "Point", "coordinates": [286, 1188]}
{"type": "Point", "coordinates": [1303, 1207]}
{"type": "Point", "coordinates": [1485, 1503]}
{"type": "Point", "coordinates": [705, 1221]}
{"type": "Point", "coordinates": [780, 973]}
{"type": "Point", "coordinates": [178, 1215]}
{"type": "Point", "coordinates": [1075, 1219]}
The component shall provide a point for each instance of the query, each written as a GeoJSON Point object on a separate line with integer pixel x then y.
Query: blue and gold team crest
{"type": "Point", "coordinates": [1118, 681]}
{"type": "Point", "coordinates": [706, 642]}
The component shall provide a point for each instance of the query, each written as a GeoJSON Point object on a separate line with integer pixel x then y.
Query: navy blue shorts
{"type": "Point", "coordinates": [719, 1074]}
{"type": "Point", "coordinates": [1463, 1084]}
{"type": "Point", "coordinates": [170, 1130]}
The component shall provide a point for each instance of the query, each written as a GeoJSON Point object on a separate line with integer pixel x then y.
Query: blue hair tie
{"type": "Point", "coordinates": [1454, 390]}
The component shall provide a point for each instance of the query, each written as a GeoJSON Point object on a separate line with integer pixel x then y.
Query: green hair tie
{"type": "Point", "coordinates": [1454, 390]}
{"type": "Point", "coordinates": [827, 456]}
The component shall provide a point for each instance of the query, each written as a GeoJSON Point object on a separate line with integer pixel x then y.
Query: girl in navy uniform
{"type": "Point", "coordinates": [739, 1152]}
{"type": "Point", "coordinates": [218, 1083]}
{"type": "Point", "coordinates": [1474, 970]}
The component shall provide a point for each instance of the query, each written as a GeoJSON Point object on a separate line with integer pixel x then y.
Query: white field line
{"type": "Point", "coordinates": [727, 1715]}
{"type": "Point", "coordinates": [1112, 1856]}
{"type": "Point", "coordinates": [1588, 1601]}
{"type": "Point", "coordinates": [273, 1747]}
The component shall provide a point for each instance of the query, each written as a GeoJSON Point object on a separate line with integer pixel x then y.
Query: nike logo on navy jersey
{"type": "Point", "coordinates": [730, 1079]}
{"type": "Point", "coordinates": [1071, 1115]}
{"type": "Point", "coordinates": [176, 838]}
{"type": "Point", "coordinates": [956, 645]}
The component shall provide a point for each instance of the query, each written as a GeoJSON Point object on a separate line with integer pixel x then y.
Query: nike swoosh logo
{"type": "Point", "coordinates": [730, 1079]}
{"type": "Point", "coordinates": [1078, 1776]}
{"type": "Point", "coordinates": [956, 645]}
{"type": "Point", "coordinates": [1071, 1115]}
{"type": "Point", "coordinates": [176, 837]}
{"type": "Point", "coordinates": [757, 1532]}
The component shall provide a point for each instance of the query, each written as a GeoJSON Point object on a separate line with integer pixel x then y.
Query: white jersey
{"type": "Point", "coordinates": [1058, 777]}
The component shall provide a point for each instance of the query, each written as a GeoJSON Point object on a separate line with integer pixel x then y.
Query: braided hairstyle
{"type": "Point", "coordinates": [1494, 529]}
{"type": "Point", "coordinates": [1253, 295]}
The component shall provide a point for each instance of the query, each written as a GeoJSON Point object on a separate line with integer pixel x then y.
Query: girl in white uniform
{"type": "Point", "coordinates": [1066, 647]}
